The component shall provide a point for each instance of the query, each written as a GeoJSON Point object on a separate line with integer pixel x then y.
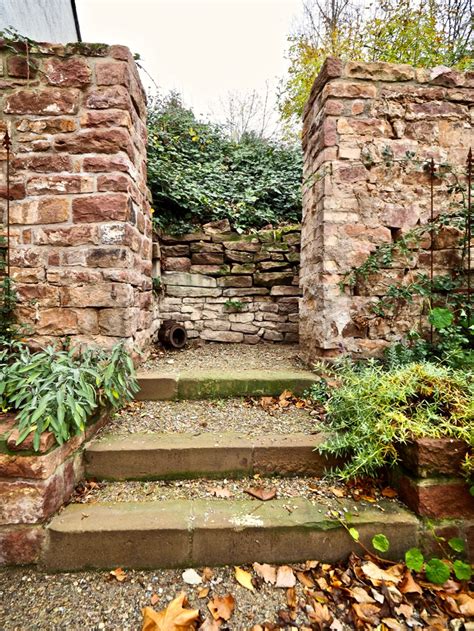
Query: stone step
{"type": "Point", "coordinates": [206, 455]}
{"type": "Point", "coordinates": [194, 533]}
{"type": "Point", "coordinates": [210, 384]}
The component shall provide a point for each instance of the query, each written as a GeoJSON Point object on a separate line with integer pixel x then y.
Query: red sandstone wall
{"type": "Point", "coordinates": [363, 192]}
{"type": "Point", "coordinates": [80, 221]}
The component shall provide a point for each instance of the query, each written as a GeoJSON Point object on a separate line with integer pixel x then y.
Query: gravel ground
{"type": "Point", "coordinates": [88, 601]}
{"type": "Point", "coordinates": [313, 489]}
{"type": "Point", "coordinates": [223, 415]}
{"type": "Point", "coordinates": [222, 356]}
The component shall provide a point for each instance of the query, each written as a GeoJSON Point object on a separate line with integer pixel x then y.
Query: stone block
{"type": "Point", "coordinates": [204, 246]}
{"type": "Point", "coordinates": [233, 337]}
{"type": "Point", "coordinates": [176, 264]}
{"type": "Point", "coordinates": [192, 292]}
{"type": "Point", "coordinates": [427, 457]}
{"type": "Point", "coordinates": [239, 257]}
{"type": "Point", "coordinates": [235, 281]}
{"type": "Point", "coordinates": [43, 101]}
{"type": "Point", "coordinates": [285, 290]}
{"type": "Point", "coordinates": [98, 295]}
{"type": "Point", "coordinates": [215, 270]}
{"type": "Point", "coordinates": [249, 329]}
{"type": "Point", "coordinates": [269, 279]}
{"type": "Point", "coordinates": [178, 250]}
{"type": "Point", "coordinates": [188, 280]}
{"type": "Point", "coordinates": [241, 317]}
{"type": "Point", "coordinates": [110, 140]}
{"type": "Point", "coordinates": [101, 207]}
{"type": "Point", "coordinates": [21, 545]}
{"type": "Point", "coordinates": [59, 185]}
{"type": "Point", "coordinates": [207, 258]}
{"type": "Point", "coordinates": [71, 73]}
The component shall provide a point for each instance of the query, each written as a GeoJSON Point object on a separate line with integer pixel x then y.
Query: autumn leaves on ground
{"type": "Point", "coordinates": [364, 593]}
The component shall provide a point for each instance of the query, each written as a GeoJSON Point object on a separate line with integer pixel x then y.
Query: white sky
{"type": "Point", "coordinates": [202, 48]}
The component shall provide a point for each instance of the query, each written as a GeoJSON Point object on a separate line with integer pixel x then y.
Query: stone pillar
{"type": "Point", "coordinates": [80, 221]}
{"type": "Point", "coordinates": [368, 131]}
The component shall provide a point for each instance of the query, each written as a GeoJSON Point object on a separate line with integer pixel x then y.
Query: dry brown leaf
{"type": "Point", "coordinates": [286, 394]}
{"type": "Point", "coordinates": [265, 571]}
{"type": "Point", "coordinates": [210, 624]}
{"type": "Point", "coordinates": [404, 610]}
{"type": "Point", "coordinates": [367, 612]}
{"type": "Point", "coordinates": [267, 402]}
{"type": "Point", "coordinates": [393, 624]}
{"type": "Point", "coordinates": [466, 605]}
{"type": "Point", "coordinates": [305, 579]}
{"type": "Point", "coordinates": [220, 492]}
{"type": "Point", "coordinates": [376, 575]}
{"type": "Point", "coordinates": [119, 574]}
{"type": "Point", "coordinates": [221, 606]}
{"type": "Point", "coordinates": [320, 614]}
{"type": "Point", "coordinates": [359, 594]}
{"type": "Point", "coordinates": [322, 583]}
{"type": "Point", "coordinates": [337, 491]}
{"type": "Point", "coordinates": [300, 404]}
{"type": "Point", "coordinates": [207, 574]}
{"type": "Point", "coordinates": [203, 592]}
{"type": "Point", "coordinates": [244, 578]}
{"type": "Point", "coordinates": [174, 618]}
{"type": "Point", "coordinates": [389, 492]}
{"type": "Point", "coordinates": [284, 403]}
{"type": "Point", "coordinates": [285, 577]}
{"type": "Point", "coordinates": [262, 493]}
{"type": "Point", "coordinates": [291, 599]}
{"type": "Point", "coordinates": [409, 585]}
{"type": "Point", "coordinates": [154, 599]}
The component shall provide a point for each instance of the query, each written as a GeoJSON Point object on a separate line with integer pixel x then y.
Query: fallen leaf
{"type": "Point", "coordinates": [174, 618]}
{"type": "Point", "coordinates": [286, 394]}
{"type": "Point", "coordinates": [220, 492]}
{"type": "Point", "coordinates": [221, 606]}
{"type": "Point", "coordinates": [305, 579]}
{"type": "Point", "coordinates": [409, 585]}
{"type": "Point", "coordinates": [244, 578]}
{"type": "Point", "coordinates": [284, 403]}
{"type": "Point", "coordinates": [154, 599]}
{"type": "Point", "coordinates": [261, 493]}
{"type": "Point", "coordinates": [337, 491]}
{"type": "Point", "coordinates": [265, 571]}
{"type": "Point", "coordinates": [300, 404]}
{"type": "Point", "coordinates": [389, 492]}
{"type": "Point", "coordinates": [466, 605]}
{"type": "Point", "coordinates": [119, 574]}
{"type": "Point", "coordinates": [359, 594]}
{"type": "Point", "coordinates": [375, 574]}
{"type": "Point", "coordinates": [210, 624]}
{"type": "Point", "coordinates": [191, 577]}
{"type": "Point", "coordinates": [267, 402]}
{"type": "Point", "coordinates": [203, 592]}
{"type": "Point", "coordinates": [391, 623]}
{"type": "Point", "coordinates": [367, 612]}
{"type": "Point", "coordinates": [320, 614]}
{"type": "Point", "coordinates": [404, 610]}
{"type": "Point", "coordinates": [291, 599]}
{"type": "Point", "coordinates": [207, 574]}
{"type": "Point", "coordinates": [285, 577]}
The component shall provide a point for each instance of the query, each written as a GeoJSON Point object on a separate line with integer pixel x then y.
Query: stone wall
{"type": "Point", "coordinates": [80, 221]}
{"type": "Point", "coordinates": [369, 130]}
{"type": "Point", "coordinates": [226, 287]}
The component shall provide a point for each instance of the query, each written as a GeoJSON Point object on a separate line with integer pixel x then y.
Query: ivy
{"type": "Point", "coordinates": [197, 174]}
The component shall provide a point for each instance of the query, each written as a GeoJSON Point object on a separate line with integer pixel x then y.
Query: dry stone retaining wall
{"type": "Point", "coordinates": [226, 287]}
{"type": "Point", "coordinates": [80, 221]}
{"type": "Point", "coordinates": [369, 130]}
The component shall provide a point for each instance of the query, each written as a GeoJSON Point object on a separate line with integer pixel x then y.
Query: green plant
{"type": "Point", "coordinates": [234, 305]}
{"type": "Point", "coordinates": [157, 285]}
{"type": "Point", "coordinates": [374, 410]}
{"type": "Point", "coordinates": [57, 391]}
{"type": "Point", "coordinates": [197, 174]}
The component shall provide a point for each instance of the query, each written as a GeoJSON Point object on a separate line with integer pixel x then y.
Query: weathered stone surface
{"type": "Point", "coordinates": [74, 72]}
{"type": "Point", "coordinates": [47, 101]}
{"type": "Point", "coordinates": [101, 207]}
{"type": "Point", "coordinates": [110, 140]}
{"type": "Point", "coordinates": [233, 337]}
{"type": "Point", "coordinates": [427, 457]}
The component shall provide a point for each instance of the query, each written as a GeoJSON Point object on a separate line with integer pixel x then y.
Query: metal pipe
{"type": "Point", "coordinates": [469, 234]}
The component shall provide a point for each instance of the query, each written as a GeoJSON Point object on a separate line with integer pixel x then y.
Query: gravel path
{"type": "Point", "coordinates": [223, 415]}
{"type": "Point", "coordinates": [221, 356]}
{"type": "Point", "coordinates": [89, 601]}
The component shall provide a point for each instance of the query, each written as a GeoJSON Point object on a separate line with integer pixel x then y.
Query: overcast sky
{"type": "Point", "coordinates": [202, 48]}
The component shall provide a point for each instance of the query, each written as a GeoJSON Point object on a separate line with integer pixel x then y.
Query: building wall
{"type": "Point", "coordinates": [40, 20]}
{"type": "Point", "coordinates": [226, 287]}
{"type": "Point", "coordinates": [80, 249]}
{"type": "Point", "coordinates": [369, 132]}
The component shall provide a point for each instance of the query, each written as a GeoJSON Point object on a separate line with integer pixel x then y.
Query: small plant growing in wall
{"type": "Point", "coordinates": [234, 305]}
{"type": "Point", "coordinates": [157, 285]}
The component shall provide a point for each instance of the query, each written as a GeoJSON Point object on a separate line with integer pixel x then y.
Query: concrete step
{"type": "Point", "coordinates": [187, 533]}
{"type": "Point", "coordinates": [206, 455]}
{"type": "Point", "coordinates": [159, 386]}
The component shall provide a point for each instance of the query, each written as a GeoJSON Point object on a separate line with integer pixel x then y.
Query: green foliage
{"type": "Point", "coordinates": [374, 410]}
{"type": "Point", "coordinates": [234, 305]}
{"type": "Point", "coordinates": [456, 544]}
{"type": "Point", "coordinates": [414, 559]}
{"type": "Point", "coordinates": [157, 285]}
{"type": "Point", "coordinates": [196, 174]}
{"type": "Point", "coordinates": [437, 571]}
{"type": "Point", "coordinates": [380, 543]}
{"type": "Point", "coordinates": [426, 33]}
{"type": "Point", "coordinates": [8, 301]}
{"type": "Point", "coordinates": [462, 570]}
{"type": "Point", "coordinates": [58, 391]}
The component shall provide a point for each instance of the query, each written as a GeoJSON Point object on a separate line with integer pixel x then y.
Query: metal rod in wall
{"type": "Point", "coordinates": [432, 176]}
{"type": "Point", "coordinates": [469, 234]}
{"type": "Point", "coordinates": [7, 143]}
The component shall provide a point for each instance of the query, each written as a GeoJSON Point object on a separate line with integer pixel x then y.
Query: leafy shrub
{"type": "Point", "coordinates": [58, 391]}
{"type": "Point", "coordinates": [196, 174]}
{"type": "Point", "coordinates": [373, 410]}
